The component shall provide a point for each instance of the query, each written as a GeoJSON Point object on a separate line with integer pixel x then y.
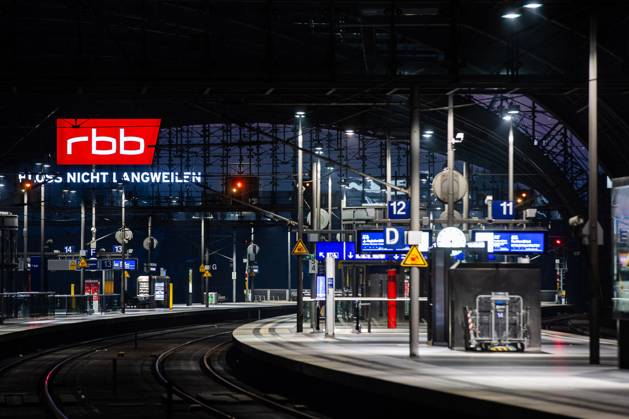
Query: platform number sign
{"type": "Point", "coordinates": [502, 210]}
{"type": "Point", "coordinates": [399, 210]}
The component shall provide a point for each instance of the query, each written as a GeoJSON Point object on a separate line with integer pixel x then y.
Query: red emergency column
{"type": "Point", "coordinates": [391, 294]}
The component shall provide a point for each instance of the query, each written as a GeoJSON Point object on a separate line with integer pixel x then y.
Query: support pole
{"type": "Point", "coordinates": [388, 168]}
{"type": "Point", "coordinates": [450, 209]}
{"type": "Point", "coordinates": [300, 226]}
{"type": "Point", "coordinates": [233, 266]}
{"type": "Point", "coordinates": [415, 214]}
{"type": "Point", "coordinates": [82, 247]}
{"type": "Point", "coordinates": [27, 284]}
{"type": "Point", "coordinates": [123, 281]}
{"type": "Point", "coordinates": [100, 300]}
{"type": "Point", "coordinates": [42, 217]}
{"type": "Point", "coordinates": [288, 249]}
{"type": "Point", "coordinates": [189, 287]}
{"type": "Point", "coordinates": [150, 235]}
{"type": "Point", "coordinates": [593, 195]}
{"type": "Point", "coordinates": [511, 160]}
{"type": "Point", "coordinates": [330, 315]}
{"type": "Point", "coordinates": [466, 197]}
{"type": "Point", "coordinates": [314, 222]}
{"type": "Point", "coordinates": [330, 205]}
{"type": "Point", "coordinates": [205, 296]}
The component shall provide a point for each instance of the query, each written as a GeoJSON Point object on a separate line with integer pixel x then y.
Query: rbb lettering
{"type": "Point", "coordinates": [106, 141]}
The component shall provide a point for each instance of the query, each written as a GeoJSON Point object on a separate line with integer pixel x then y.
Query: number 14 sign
{"type": "Point", "coordinates": [399, 210]}
{"type": "Point", "coordinates": [502, 210]}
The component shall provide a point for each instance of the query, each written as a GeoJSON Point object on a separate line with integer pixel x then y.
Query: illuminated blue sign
{"type": "Point", "coordinates": [389, 240]}
{"type": "Point", "coordinates": [399, 210]}
{"type": "Point", "coordinates": [129, 264]}
{"type": "Point", "coordinates": [502, 210]}
{"type": "Point", "coordinates": [512, 241]}
{"type": "Point", "coordinates": [347, 251]}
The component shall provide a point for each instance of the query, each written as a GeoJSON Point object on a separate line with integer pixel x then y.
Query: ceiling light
{"type": "Point", "coordinates": [532, 4]}
{"type": "Point", "coordinates": [318, 147]}
{"type": "Point", "coordinates": [507, 117]}
{"type": "Point", "coordinates": [513, 110]}
{"type": "Point", "coordinates": [300, 114]}
{"type": "Point", "coordinates": [511, 14]}
{"type": "Point", "coordinates": [349, 131]}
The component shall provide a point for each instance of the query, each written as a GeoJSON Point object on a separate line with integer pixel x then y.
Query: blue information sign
{"type": "Point", "coordinates": [69, 249]}
{"type": "Point", "coordinates": [503, 241]}
{"type": "Point", "coordinates": [116, 248]}
{"type": "Point", "coordinates": [502, 210]}
{"type": "Point", "coordinates": [129, 264]}
{"type": "Point", "coordinates": [347, 251]}
{"type": "Point", "coordinates": [389, 240]}
{"type": "Point", "coordinates": [320, 287]}
{"type": "Point", "coordinates": [399, 210]}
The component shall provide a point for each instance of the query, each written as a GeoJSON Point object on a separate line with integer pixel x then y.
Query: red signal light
{"type": "Point", "coordinates": [239, 184]}
{"type": "Point", "coordinates": [558, 242]}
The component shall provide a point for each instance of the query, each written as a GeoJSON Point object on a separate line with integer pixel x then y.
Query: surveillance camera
{"type": "Point", "coordinates": [575, 221]}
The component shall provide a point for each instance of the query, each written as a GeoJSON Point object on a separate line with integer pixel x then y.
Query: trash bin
{"type": "Point", "coordinates": [212, 297]}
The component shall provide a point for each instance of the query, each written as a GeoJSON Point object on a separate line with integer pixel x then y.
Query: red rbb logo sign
{"type": "Point", "coordinates": [106, 141]}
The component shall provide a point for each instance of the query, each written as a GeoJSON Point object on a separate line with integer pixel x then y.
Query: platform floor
{"type": "Point", "coordinates": [18, 325]}
{"type": "Point", "coordinates": [557, 380]}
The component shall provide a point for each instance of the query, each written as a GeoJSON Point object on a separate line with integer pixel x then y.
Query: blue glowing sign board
{"type": "Point", "coordinates": [503, 241]}
{"type": "Point", "coordinates": [347, 251]}
{"type": "Point", "coordinates": [502, 210]}
{"type": "Point", "coordinates": [129, 264]}
{"type": "Point", "coordinates": [399, 210]}
{"type": "Point", "coordinates": [389, 240]}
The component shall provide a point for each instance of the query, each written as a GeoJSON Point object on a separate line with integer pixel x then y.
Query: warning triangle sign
{"type": "Point", "coordinates": [414, 259]}
{"type": "Point", "coordinates": [300, 249]}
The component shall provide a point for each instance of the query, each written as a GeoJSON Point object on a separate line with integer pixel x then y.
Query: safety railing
{"type": "Point", "coordinates": [363, 313]}
{"type": "Point", "coordinates": [72, 304]}
{"type": "Point", "coordinates": [271, 294]}
{"type": "Point", "coordinates": [26, 304]}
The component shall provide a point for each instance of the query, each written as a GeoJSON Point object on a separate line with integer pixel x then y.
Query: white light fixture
{"type": "Point", "coordinates": [300, 114]}
{"type": "Point", "coordinates": [513, 110]}
{"type": "Point", "coordinates": [426, 135]}
{"type": "Point", "coordinates": [507, 117]}
{"type": "Point", "coordinates": [511, 14]}
{"type": "Point", "coordinates": [429, 131]}
{"type": "Point", "coordinates": [349, 131]}
{"type": "Point", "coordinates": [532, 4]}
{"type": "Point", "coordinates": [318, 147]}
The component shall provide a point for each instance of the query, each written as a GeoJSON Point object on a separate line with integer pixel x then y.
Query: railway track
{"type": "Point", "coordinates": [179, 372]}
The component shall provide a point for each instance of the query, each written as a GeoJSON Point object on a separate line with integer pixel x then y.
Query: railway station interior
{"type": "Point", "coordinates": [321, 209]}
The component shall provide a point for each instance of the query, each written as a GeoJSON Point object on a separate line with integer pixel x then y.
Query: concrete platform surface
{"type": "Point", "coordinates": [19, 325]}
{"type": "Point", "coordinates": [556, 381]}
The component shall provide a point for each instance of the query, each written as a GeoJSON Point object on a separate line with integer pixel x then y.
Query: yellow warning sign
{"type": "Point", "coordinates": [201, 268]}
{"type": "Point", "coordinates": [207, 274]}
{"type": "Point", "coordinates": [73, 265]}
{"type": "Point", "coordinates": [414, 259]}
{"type": "Point", "coordinates": [83, 263]}
{"type": "Point", "coordinates": [300, 249]}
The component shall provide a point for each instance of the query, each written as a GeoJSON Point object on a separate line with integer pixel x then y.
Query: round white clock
{"type": "Point", "coordinates": [451, 237]}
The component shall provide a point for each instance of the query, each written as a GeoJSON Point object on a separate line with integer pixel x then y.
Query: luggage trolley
{"type": "Point", "coordinates": [497, 324]}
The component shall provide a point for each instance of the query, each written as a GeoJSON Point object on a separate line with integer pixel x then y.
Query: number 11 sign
{"type": "Point", "coordinates": [502, 210]}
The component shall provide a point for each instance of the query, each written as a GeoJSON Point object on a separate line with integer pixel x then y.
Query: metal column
{"type": "Point", "coordinates": [466, 197]}
{"type": "Point", "coordinates": [330, 273]}
{"type": "Point", "coordinates": [234, 266]}
{"type": "Point", "coordinates": [511, 160]}
{"type": "Point", "coordinates": [123, 282]}
{"type": "Point", "coordinates": [450, 134]}
{"type": "Point", "coordinates": [593, 195]}
{"type": "Point", "coordinates": [42, 214]}
{"type": "Point", "coordinates": [27, 285]}
{"type": "Point", "coordinates": [415, 213]}
{"type": "Point", "coordinates": [388, 168]}
{"type": "Point", "coordinates": [314, 222]}
{"type": "Point", "coordinates": [288, 284]}
{"type": "Point", "coordinates": [82, 246]}
{"type": "Point", "coordinates": [205, 296]}
{"type": "Point", "coordinates": [300, 226]}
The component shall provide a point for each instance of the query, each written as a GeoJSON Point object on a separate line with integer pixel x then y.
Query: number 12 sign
{"type": "Point", "coordinates": [399, 210]}
{"type": "Point", "coordinates": [502, 210]}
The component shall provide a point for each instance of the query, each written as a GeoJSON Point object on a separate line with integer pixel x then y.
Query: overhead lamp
{"type": "Point", "coordinates": [46, 166]}
{"type": "Point", "coordinates": [507, 116]}
{"type": "Point", "coordinates": [429, 131]}
{"type": "Point", "coordinates": [532, 4]}
{"type": "Point", "coordinates": [349, 131]}
{"type": "Point", "coordinates": [318, 147]}
{"type": "Point", "coordinates": [426, 135]}
{"type": "Point", "coordinates": [513, 110]}
{"type": "Point", "coordinates": [300, 114]}
{"type": "Point", "coordinates": [329, 166]}
{"type": "Point", "coordinates": [511, 14]}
